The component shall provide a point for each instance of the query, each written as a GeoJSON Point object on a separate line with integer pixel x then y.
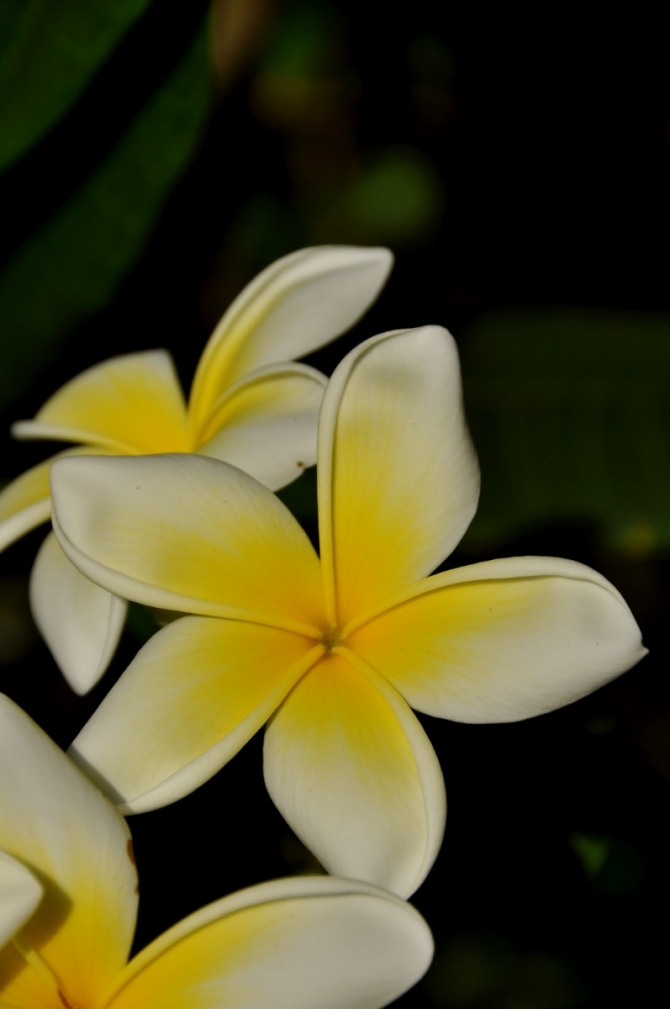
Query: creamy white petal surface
{"type": "Point", "coordinates": [397, 474]}
{"type": "Point", "coordinates": [192, 697]}
{"type": "Point", "coordinates": [352, 771]}
{"type": "Point", "coordinates": [80, 622]}
{"type": "Point", "coordinates": [503, 640]}
{"type": "Point", "coordinates": [304, 943]}
{"type": "Point", "coordinates": [294, 306]}
{"type": "Point", "coordinates": [266, 424]}
{"type": "Point", "coordinates": [186, 533]}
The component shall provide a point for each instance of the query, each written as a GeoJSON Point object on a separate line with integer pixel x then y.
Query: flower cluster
{"type": "Point", "coordinates": [171, 505]}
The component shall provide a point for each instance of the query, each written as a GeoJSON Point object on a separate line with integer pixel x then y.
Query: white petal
{"type": "Point", "coordinates": [352, 771]}
{"type": "Point", "coordinates": [54, 821]}
{"type": "Point", "coordinates": [20, 894]}
{"type": "Point", "coordinates": [289, 944]}
{"type": "Point", "coordinates": [502, 640]}
{"type": "Point", "coordinates": [266, 424]}
{"type": "Point", "coordinates": [187, 533]}
{"type": "Point", "coordinates": [190, 699]}
{"type": "Point", "coordinates": [294, 306]}
{"type": "Point", "coordinates": [398, 479]}
{"type": "Point", "coordinates": [80, 622]}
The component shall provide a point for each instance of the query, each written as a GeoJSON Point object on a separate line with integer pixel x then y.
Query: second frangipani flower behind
{"type": "Point", "coordinates": [334, 651]}
{"type": "Point", "coordinates": [250, 404]}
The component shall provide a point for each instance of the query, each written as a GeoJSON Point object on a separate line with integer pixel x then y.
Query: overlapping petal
{"type": "Point", "coordinates": [294, 306]}
{"type": "Point", "coordinates": [20, 895]}
{"type": "Point", "coordinates": [80, 622]}
{"type": "Point", "coordinates": [187, 533]}
{"type": "Point", "coordinates": [266, 424]}
{"type": "Point", "coordinates": [129, 404]}
{"type": "Point", "coordinates": [25, 503]}
{"type": "Point", "coordinates": [397, 474]}
{"type": "Point", "coordinates": [289, 944]}
{"type": "Point", "coordinates": [194, 694]}
{"type": "Point", "coordinates": [353, 773]}
{"type": "Point", "coordinates": [54, 821]}
{"type": "Point", "coordinates": [502, 640]}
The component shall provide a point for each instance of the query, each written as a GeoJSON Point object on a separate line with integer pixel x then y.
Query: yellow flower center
{"type": "Point", "coordinates": [331, 638]}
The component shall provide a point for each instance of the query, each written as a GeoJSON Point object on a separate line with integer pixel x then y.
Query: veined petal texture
{"type": "Point", "coordinates": [398, 479]}
{"type": "Point", "coordinates": [294, 306]}
{"type": "Point", "coordinates": [80, 622]}
{"type": "Point", "coordinates": [352, 771]}
{"type": "Point", "coordinates": [266, 424]}
{"type": "Point", "coordinates": [129, 404]}
{"type": "Point", "coordinates": [502, 640]}
{"type": "Point", "coordinates": [187, 533]}
{"type": "Point", "coordinates": [288, 944]}
{"type": "Point", "coordinates": [53, 820]}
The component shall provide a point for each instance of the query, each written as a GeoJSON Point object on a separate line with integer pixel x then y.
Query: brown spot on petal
{"type": "Point", "coordinates": [300, 464]}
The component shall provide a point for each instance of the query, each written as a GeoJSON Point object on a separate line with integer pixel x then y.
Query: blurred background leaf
{"type": "Point", "coordinates": [49, 50]}
{"type": "Point", "coordinates": [72, 266]}
{"type": "Point", "coordinates": [570, 414]}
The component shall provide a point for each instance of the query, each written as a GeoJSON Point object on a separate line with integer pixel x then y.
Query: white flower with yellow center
{"type": "Point", "coordinates": [332, 650]}
{"type": "Point", "coordinates": [250, 405]}
{"type": "Point", "coordinates": [303, 943]}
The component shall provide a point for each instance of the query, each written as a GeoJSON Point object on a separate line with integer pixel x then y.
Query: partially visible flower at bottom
{"type": "Point", "coordinates": [312, 942]}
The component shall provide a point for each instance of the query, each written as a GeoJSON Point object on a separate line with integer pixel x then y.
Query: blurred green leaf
{"type": "Point", "coordinates": [72, 267]}
{"type": "Point", "coordinates": [49, 50]}
{"type": "Point", "coordinates": [591, 851]}
{"type": "Point", "coordinates": [570, 413]}
{"type": "Point", "coordinates": [487, 972]}
{"type": "Point", "coordinates": [395, 199]}
{"type": "Point", "coordinates": [614, 866]}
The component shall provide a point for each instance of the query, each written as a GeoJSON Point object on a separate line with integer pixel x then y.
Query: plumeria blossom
{"type": "Point", "coordinates": [250, 405]}
{"type": "Point", "coordinates": [332, 650]}
{"type": "Point", "coordinates": [302, 943]}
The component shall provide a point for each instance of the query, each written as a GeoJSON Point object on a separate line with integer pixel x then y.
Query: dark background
{"type": "Point", "coordinates": [517, 162]}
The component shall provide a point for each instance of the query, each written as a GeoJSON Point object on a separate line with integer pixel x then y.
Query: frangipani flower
{"type": "Point", "coordinates": [303, 943]}
{"type": "Point", "coordinates": [333, 651]}
{"type": "Point", "coordinates": [250, 405]}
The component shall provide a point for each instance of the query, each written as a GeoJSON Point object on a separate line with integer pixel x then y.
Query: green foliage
{"type": "Point", "coordinates": [486, 972]}
{"type": "Point", "coordinates": [49, 50]}
{"type": "Point", "coordinates": [71, 268]}
{"type": "Point", "coordinates": [570, 415]}
{"type": "Point", "coordinates": [397, 199]}
{"type": "Point", "coordinates": [591, 851]}
{"type": "Point", "coordinates": [614, 866]}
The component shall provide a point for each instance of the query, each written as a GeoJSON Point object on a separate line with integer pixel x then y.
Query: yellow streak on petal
{"type": "Point", "coordinates": [483, 649]}
{"type": "Point", "coordinates": [193, 696]}
{"type": "Point", "coordinates": [131, 404]}
{"type": "Point", "coordinates": [22, 986]}
{"type": "Point", "coordinates": [340, 767]}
